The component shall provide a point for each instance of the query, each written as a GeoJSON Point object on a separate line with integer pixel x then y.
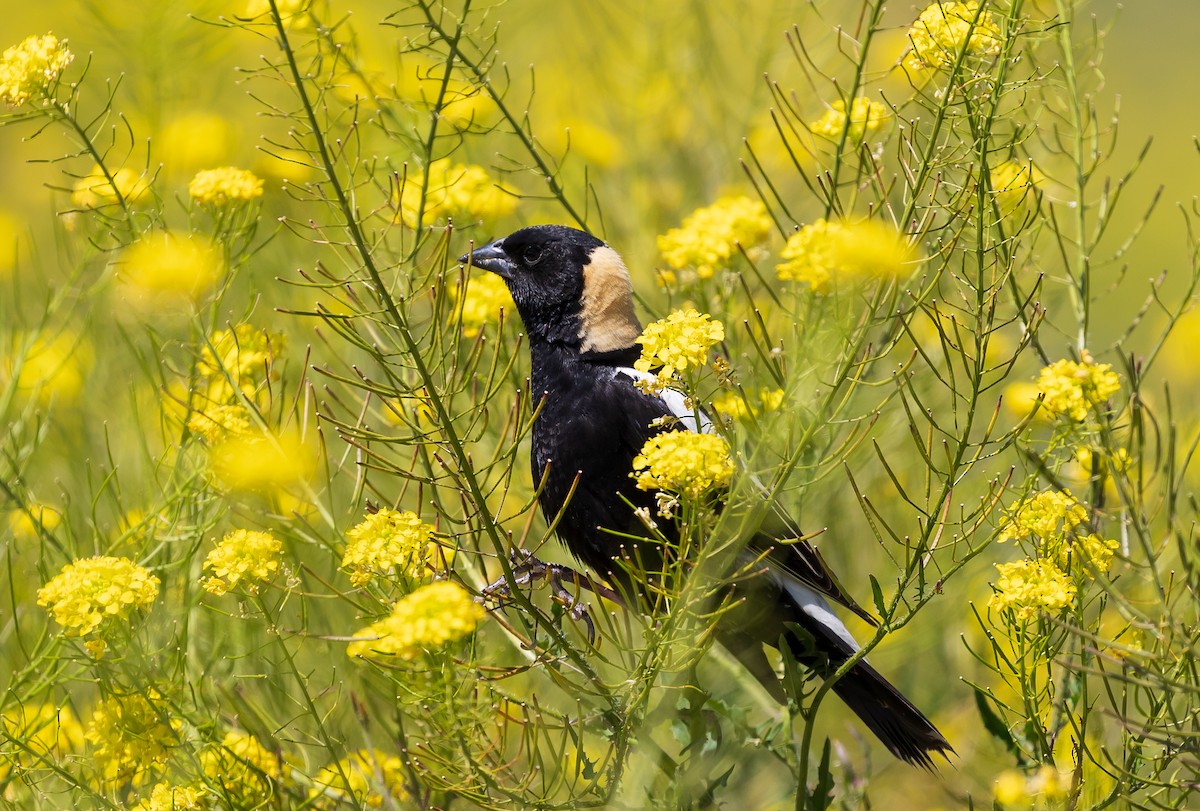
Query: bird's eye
{"type": "Point", "coordinates": [532, 255]}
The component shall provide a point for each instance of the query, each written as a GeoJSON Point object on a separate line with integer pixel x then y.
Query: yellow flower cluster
{"type": "Point", "coordinates": [709, 237]}
{"type": "Point", "coordinates": [130, 736]}
{"type": "Point", "coordinates": [678, 342]}
{"type": "Point", "coordinates": [683, 462]}
{"type": "Point", "coordinates": [369, 778]}
{"type": "Point", "coordinates": [1050, 514]}
{"type": "Point", "coordinates": [737, 406]}
{"type": "Point", "coordinates": [1028, 586]}
{"type": "Point", "coordinates": [483, 298]}
{"type": "Point", "coordinates": [262, 461]}
{"type": "Point", "coordinates": [47, 368]}
{"type": "Point", "coordinates": [243, 557]}
{"type": "Point", "coordinates": [1013, 184]}
{"type": "Point", "coordinates": [823, 251]}
{"type": "Point", "coordinates": [245, 769]}
{"type": "Point", "coordinates": [220, 422]}
{"type": "Point", "coordinates": [946, 29]}
{"type": "Point", "coordinates": [389, 540]}
{"type": "Point", "coordinates": [27, 524]}
{"type": "Point", "coordinates": [225, 185]}
{"type": "Point", "coordinates": [28, 69]}
{"type": "Point", "coordinates": [92, 592]}
{"type": "Point", "coordinates": [1072, 389]}
{"type": "Point", "coordinates": [241, 357]}
{"type": "Point", "coordinates": [94, 190]}
{"type": "Point", "coordinates": [45, 731]}
{"type": "Point", "coordinates": [168, 267]}
{"type": "Point", "coordinates": [430, 617]}
{"type": "Point", "coordinates": [165, 797]}
{"type": "Point", "coordinates": [1014, 789]}
{"type": "Point", "coordinates": [865, 117]}
{"type": "Point", "coordinates": [455, 190]}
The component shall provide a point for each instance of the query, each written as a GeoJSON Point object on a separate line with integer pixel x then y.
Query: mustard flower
{"type": "Point", "coordinates": [168, 267]}
{"type": "Point", "coordinates": [241, 357]}
{"type": "Point", "coordinates": [369, 778]}
{"type": "Point", "coordinates": [454, 190]}
{"type": "Point", "coordinates": [1021, 397]}
{"type": "Point", "coordinates": [822, 251]}
{"type": "Point", "coordinates": [29, 69]}
{"type": "Point", "coordinates": [28, 523]}
{"type": "Point", "coordinates": [48, 368]}
{"type": "Point", "coordinates": [225, 185]}
{"type": "Point", "coordinates": [1073, 389]}
{"type": "Point", "coordinates": [389, 540]}
{"type": "Point", "coordinates": [683, 462]}
{"type": "Point", "coordinates": [709, 237]}
{"type": "Point", "coordinates": [946, 29]}
{"type": "Point", "coordinates": [165, 797]}
{"type": "Point", "coordinates": [679, 341]}
{"type": "Point", "coordinates": [261, 461]}
{"type": "Point", "coordinates": [95, 190]}
{"type": "Point", "coordinates": [243, 557]}
{"type": "Point", "coordinates": [46, 732]}
{"type": "Point", "coordinates": [484, 297]}
{"type": "Point", "coordinates": [194, 140]}
{"type": "Point", "coordinates": [738, 406]}
{"type": "Point", "coordinates": [94, 592]}
{"type": "Point", "coordinates": [1013, 184]}
{"type": "Point", "coordinates": [1029, 586]}
{"type": "Point", "coordinates": [245, 769]}
{"type": "Point", "coordinates": [865, 117]}
{"type": "Point", "coordinates": [217, 423]}
{"type": "Point", "coordinates": [1047, 515]}
{"type": "Point", "coordinates": [1091, 550]}
{"type": "Point", "coordinates": [429, 618]}
{"type": "Point", "coordinates": [1011, 788]}
{"type": "Point", "coordinates": [130, 736]}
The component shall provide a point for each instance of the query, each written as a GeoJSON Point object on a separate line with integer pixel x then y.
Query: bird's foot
{"type": "Point", "coordinates": [527, 569]}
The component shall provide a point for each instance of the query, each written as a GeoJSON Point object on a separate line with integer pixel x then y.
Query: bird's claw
{"type": "Point", "coordinates": [526, 569]}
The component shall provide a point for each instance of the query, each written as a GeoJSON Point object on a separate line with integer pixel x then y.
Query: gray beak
{"type": "Point", "coordinates": [490, 257]}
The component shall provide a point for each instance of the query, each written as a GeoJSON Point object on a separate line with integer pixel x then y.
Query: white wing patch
{"type": "Point", "coordinates": [675, 402]}
{"type": "Point", "coordinates": [815, 606]}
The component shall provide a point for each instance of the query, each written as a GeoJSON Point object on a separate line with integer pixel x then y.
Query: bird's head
{"type": "Point", "coordinates": [569, 287]}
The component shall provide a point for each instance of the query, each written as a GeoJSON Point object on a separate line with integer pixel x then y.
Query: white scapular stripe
{"type": "Point", "coordinates": [675, 402]}
{"type": "Point", "coordinates": [815, 606]}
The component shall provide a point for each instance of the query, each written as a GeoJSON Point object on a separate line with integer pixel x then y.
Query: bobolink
{"type": "Point", "coordinates": [575, 298]}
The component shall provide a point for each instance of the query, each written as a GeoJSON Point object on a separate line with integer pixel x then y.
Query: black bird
{"type": "Point", "coordinates": [575, 299]}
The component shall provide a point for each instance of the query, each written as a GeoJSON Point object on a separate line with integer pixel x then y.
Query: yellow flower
{"type": "Point", "coordinates": [11, 237]}
{"type": "Point", "coordinates": [1021, 398]}
{"type": "Point", "coordinates": [389, 540]}
{"type": "Point", "coordinates": [28, 524]}
{"type": "Point", "coordinates": [1028, 586]}
{"type": "Point", "coordinates": [92, 592]}
{"type": "Point", "coordinates": [261, 461]}
{"type": "Point", "coordinates": [243, 557]}
{"type": "Point", "coordinates": [217, 423]}
{"type": "Point", "coordinates": [679, 341]}
{"type": "Point", "coordinates": [737, 405]}
{"type": "Point", "coordinates": [709, 237]}
{"type": "Point", "coordinates": [683, 462]}
{"type": "Point", "coordinates": [865, 117]}
{"type": "Point", "coordinates": [243, 357]}
{"type": "Point", "coordinates": [96, 191]}
{"type": "Point", "coordinates": [194, 140]}
{"type": "Point", "coordinates": [48, 368]}
{"type": "Point", "coordinates": [1072, 389]}
{"type": "Point", "coordinates": [1048, 515]}
{"type": "Point", "coordinates": [228, 184]}
{"type": "Point", "coordinates": [45, 731]}
{"type": "Point", "coordinates": [454, 190]}
{"type": "Point", "coordinates": [130, 736]}
{"type": "Point", "coordinates": [30, 68]}
{"type": "Point", "coordinates": [823, 251]}
{"type": "Point", "coordinates": [945, 29]}
{"type": "Point", "coordinates": [165, 797]}
{"type": "Point", "coordinates": [484, 297]}
{"type": "Point", "coordinates": [369, 777]}
{"type": "Point", "coordinates": [1013, 184]}
{"type": "Point", "coordinates": [1011, 788]}
{"type": "Point", "coordinates": [1095, 551]}
{"type": "Point", "coordinates": [244, 768]}
{"type": "Point", "coordinates": [430, 617]}
{"type": "Point", "coordinates": [168, 267]}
